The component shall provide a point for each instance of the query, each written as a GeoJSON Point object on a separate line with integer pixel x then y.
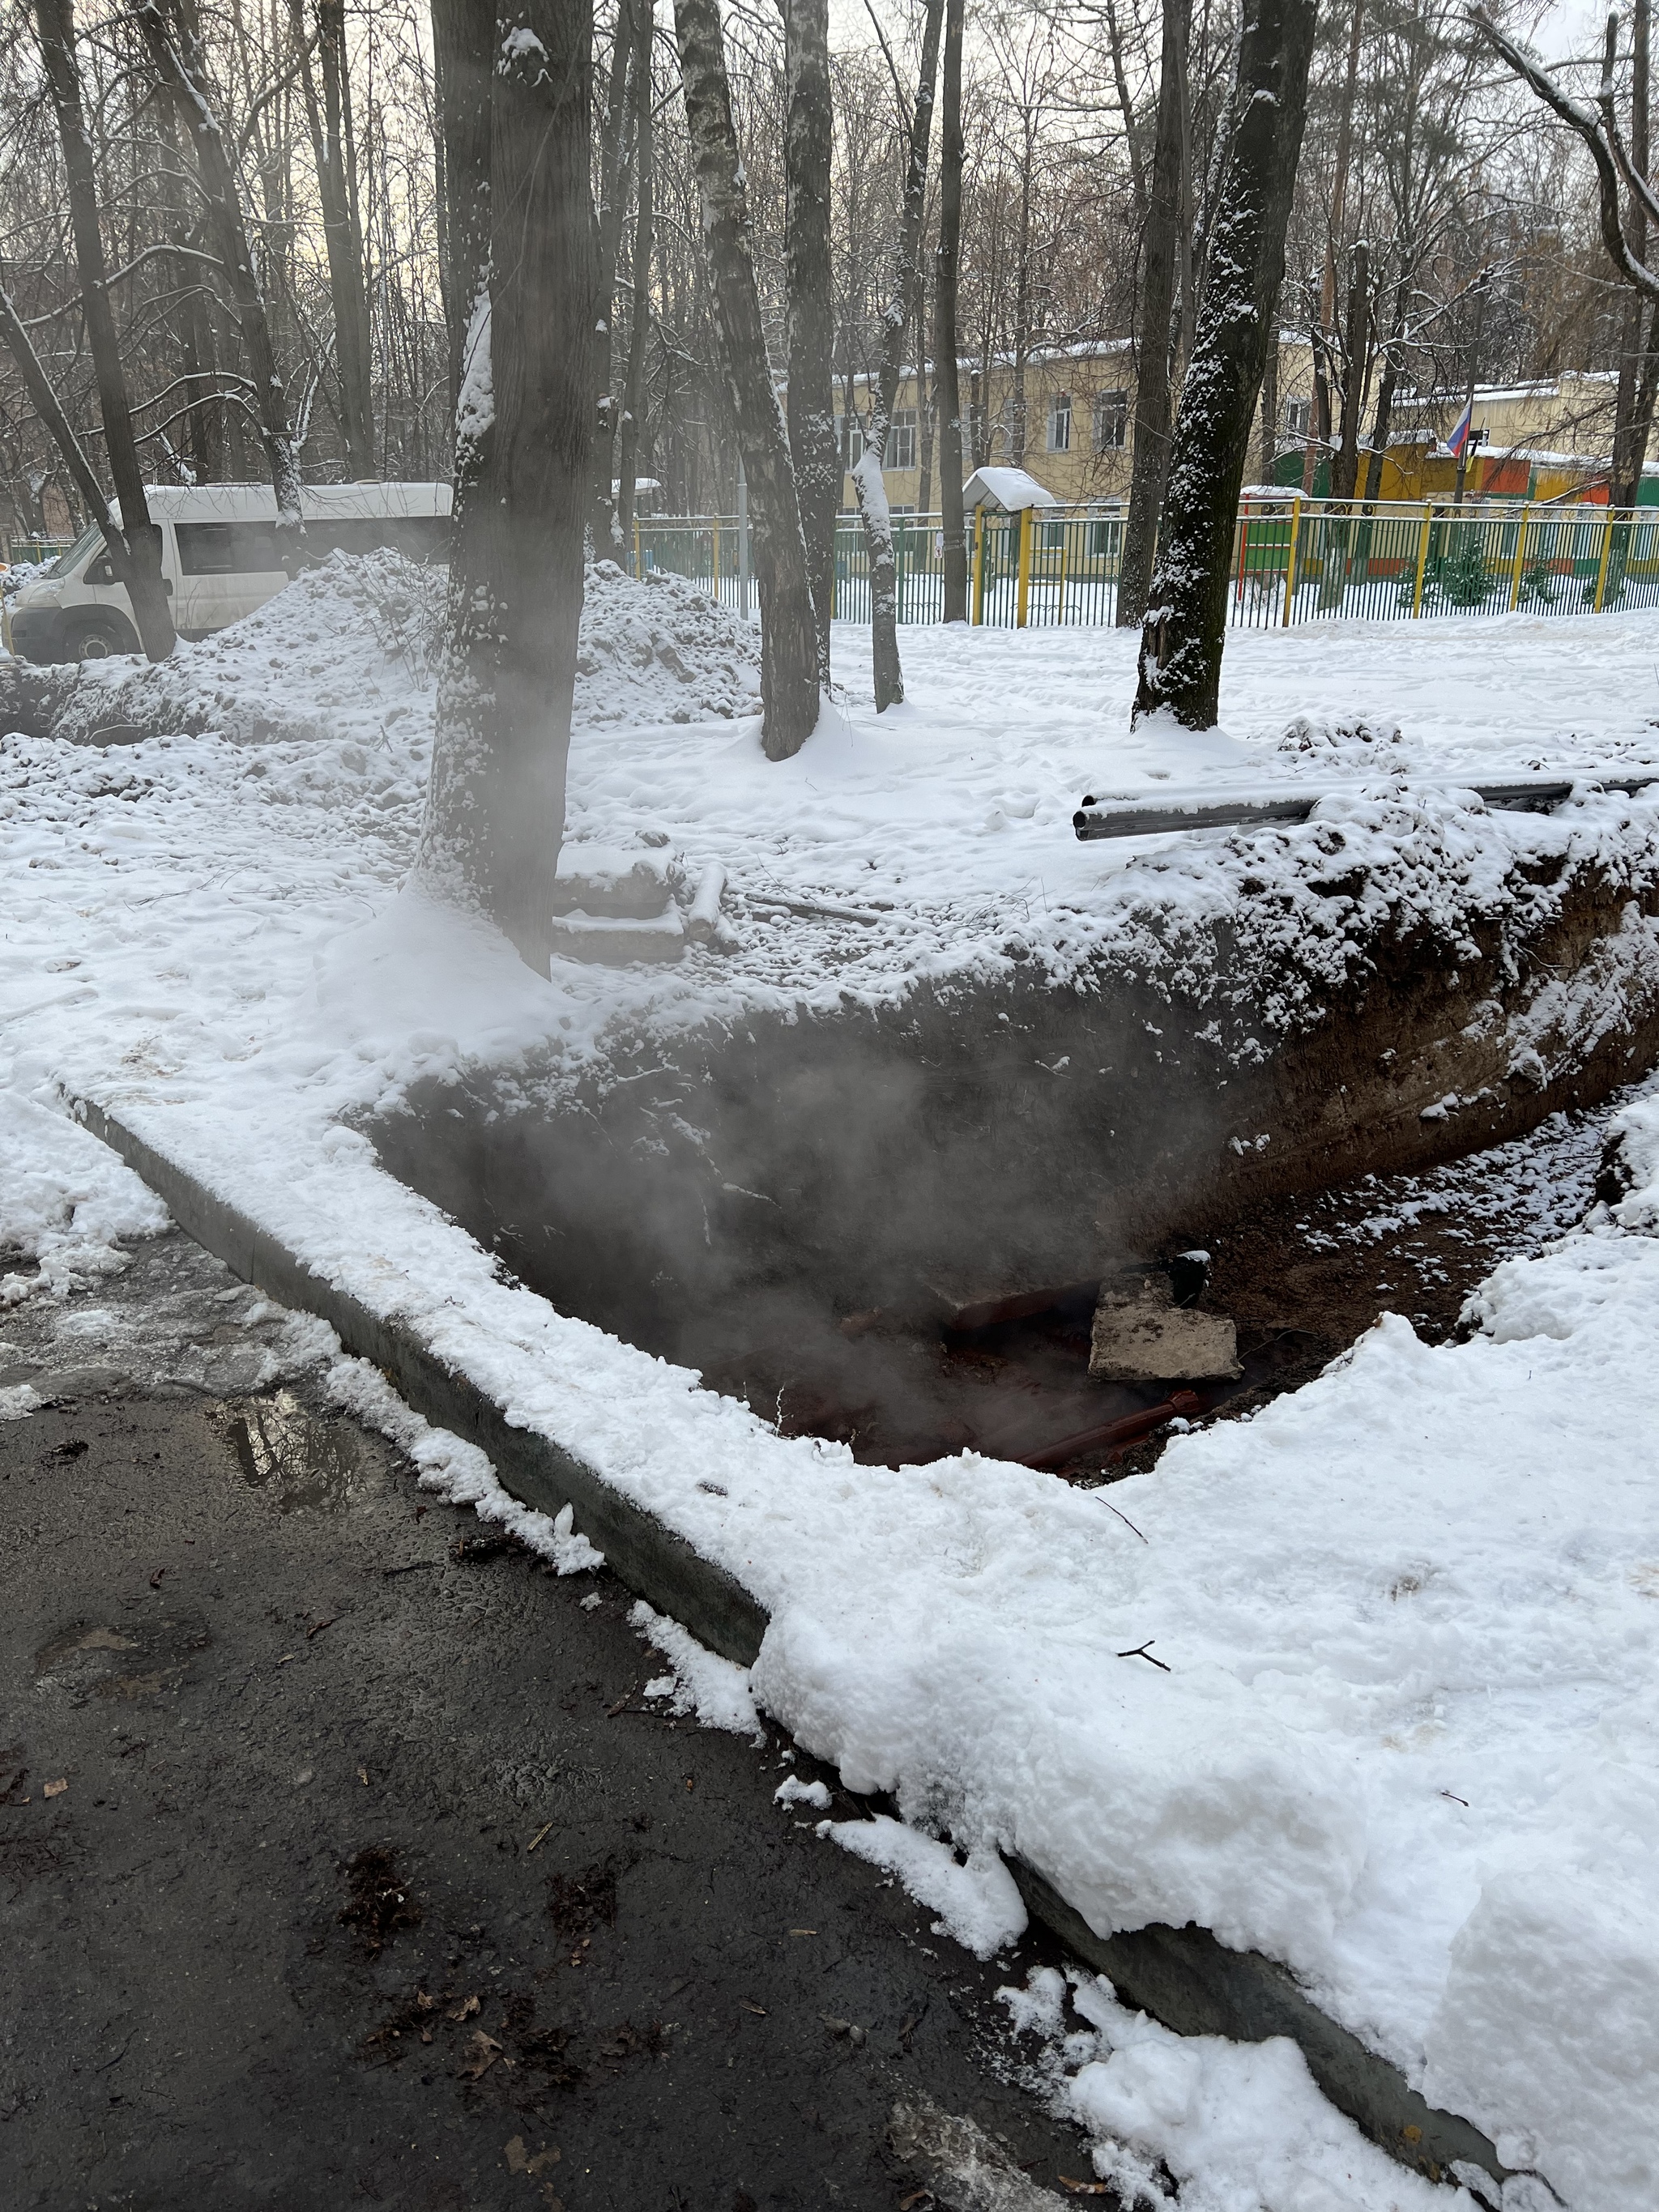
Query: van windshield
{"type": "Point", "coordinates": [71, 557]}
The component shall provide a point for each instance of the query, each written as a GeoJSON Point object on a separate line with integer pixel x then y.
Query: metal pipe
{"type": "Point", "coordinates": [1131, 818]}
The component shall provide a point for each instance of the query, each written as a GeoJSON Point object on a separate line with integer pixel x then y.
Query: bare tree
{"type": "Point", "coordinates": [947, 343]}
{"type": "Point", "coordinates": [135, 551]}
{"type": "Point", "coordinates": [789, 658]}
{"type": "Point", "coordinates": [868, 477]}
{"type": "Point", "coordinates": [1185, 623]}
{"type": "Point", "coordinates": [1150, 462]}
{"type": "Point", "coordinates": [176, 55]}
{"type": "Point", "coordinates": [639, 326]}
{"type": "Point", "coordinates": [809, 137]}
{"type": "Point", "coordinates": [494, 815]}
{"type": "Point", "coordinates": [334, 150]}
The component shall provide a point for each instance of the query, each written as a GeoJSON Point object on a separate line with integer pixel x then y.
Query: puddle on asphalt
{"type": "Point", "coordinates": [304, 1464]}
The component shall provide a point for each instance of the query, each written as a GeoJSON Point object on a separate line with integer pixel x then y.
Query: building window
{"type": "Point", "coordinates": [1298, 417]}
{"type": "Point", "coordinates": [851, 435]}
{"type": "Point", "coordinates": [1060, 423]}
{"type": "Point", "coordinates": [1111, 421]}
{"type": "Point", "coordinates": [901, 438]}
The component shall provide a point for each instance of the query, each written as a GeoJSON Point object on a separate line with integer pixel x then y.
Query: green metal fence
{"type": "Point", "coordinates": [14, 550]}
{"type": "Point", "coordinates": [1294, 561]}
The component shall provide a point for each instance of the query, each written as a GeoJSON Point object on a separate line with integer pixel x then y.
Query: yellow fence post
{"type": "Point", "coordinates": [979, 567]}
{"type": "Point", "coordinates": [1422, 556]}
{"type": "Point", "coordinates": [1602, 566]}
{"type": "Point", "coordinates": [1290, 564]}
{"type": "Point", "coordinates": [717, 560]}
{"type": "Point", "coordinates": [1022, 594]}
{"type": "Point", "coordinates": [1519, 560]}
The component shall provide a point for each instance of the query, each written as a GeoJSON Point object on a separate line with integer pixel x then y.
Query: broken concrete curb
{"type": "Point", "coordinates": [1182, 1976]}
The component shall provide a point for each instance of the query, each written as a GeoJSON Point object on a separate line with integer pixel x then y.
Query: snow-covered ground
{"type": "Point", "coordinates": [1400, 1734]}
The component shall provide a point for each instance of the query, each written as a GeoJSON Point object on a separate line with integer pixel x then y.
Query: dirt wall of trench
{"type": "Point", "coordinates": [988, 1138]}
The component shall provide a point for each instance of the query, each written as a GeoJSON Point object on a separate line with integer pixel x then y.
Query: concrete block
{"type": "Point", "coordinates": [1141, 1335]}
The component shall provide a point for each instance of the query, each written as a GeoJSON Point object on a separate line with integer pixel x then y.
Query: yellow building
{"type": "Point", "coordinates": [1073, 430]}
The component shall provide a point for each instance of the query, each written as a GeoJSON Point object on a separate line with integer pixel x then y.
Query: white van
{"type": "Point", "coordinates": [219, 560]}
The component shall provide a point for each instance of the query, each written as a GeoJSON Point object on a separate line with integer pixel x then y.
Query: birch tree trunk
{"type": "Point", "coordinates": [494, 814]}
{"type": "Point", "coordinates": [808, 138]}
{"type": "Point", "coordinates": [1184, 627]}
{"type": "Point", "coordinates": [179, 65]}
{"type": "Point", "coordinates": [789, 660]}
{"type": "Point", "coordinates": [638, 327]}
{"type": "Point", "coordinates": [1270, 400]}
{"type": "Point", "coordinates": [868, 478]}
{"type": "Point", "coordinates": [134, 550]}
{"type": "Point", "coordinates": [1150, 462]}
{"type": "Point", "coordinates": [633, 30]}
{"type": "Point", "coordinates": [947, 344]}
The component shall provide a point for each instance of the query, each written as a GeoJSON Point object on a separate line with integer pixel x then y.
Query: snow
{"type": "Point", "coordinates": [1242, 2127]}
{"type": "Point", "coordinates": [699, 1682]}
{"type": "Point", "coordinates": [976, 1899]}
{"type": "Point", "coordinates": [1410, 1614]}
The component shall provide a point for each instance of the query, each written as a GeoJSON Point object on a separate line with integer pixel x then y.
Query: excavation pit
{"type": "Point", "coordinates": [888, 1225]}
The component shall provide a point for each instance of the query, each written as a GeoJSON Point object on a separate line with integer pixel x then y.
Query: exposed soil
{"type": "Point", "coordinates": [1301, 1277]}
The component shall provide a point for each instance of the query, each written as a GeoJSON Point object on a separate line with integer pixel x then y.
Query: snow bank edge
{"type": "Point", "coordinates": [1182, 1976]}
{"type": "Point", "coordinates": [650, 1558]}
{"type": "Point", "coordinates": [1187, 1980]}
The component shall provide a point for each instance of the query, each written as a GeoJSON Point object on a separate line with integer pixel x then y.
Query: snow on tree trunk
{"type": "Point", "coordinates": [949, 265]}
{"type": "Point", "coordinates": [639, 328]}
{"type": "Point", "coordinates": [495, 816]}
{"type": "Point", "coordinates": [177, 62]}
{"type": "Point", "coordinates": [463, 44]}
{"type": "Point", "coordinates": [1149, 463]}
{"type": "Point", "coordinates": [1184, 627]}
{"type": "Point", "coordinates": [868, 475]}
{"type": "Point", "coordinates": [134, 550]}
{"type": "Point", "coordinates": [808, 136]}
{"type": "Point", "coordinates": [789, 660]}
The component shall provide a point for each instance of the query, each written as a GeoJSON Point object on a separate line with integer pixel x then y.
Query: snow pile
{"type": "Point", "coordinates": [1240, 2127]}
{"type": "Point", "coordinates": [1401, 1734]}
{"type": "Point", "coordinates": [351, 649]}
{"type": "Point", "coordinates": [699, 1681]}
{"type": "Point", "coordinates": [661, 650]}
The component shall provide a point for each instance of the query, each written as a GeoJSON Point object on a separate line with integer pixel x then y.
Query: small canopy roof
{"type": "Point", "coordinates": [1009, 489]}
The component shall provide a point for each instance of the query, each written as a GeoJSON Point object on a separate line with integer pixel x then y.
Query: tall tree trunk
{"type": "Point", "coordinates": [1344, 467]}
{"type": "Point", "coordinates": [177, 64]}
{"type": "Point", "coordinates": [1631, 423]}
{"type": "Point", "coordinates": [495, 816]}
{"type": "Point", "coordinates": [1387, 383]}
{"type": "Point", "coordinates": [1185, 624]}
{"type": "Point", "coordinates": [328, 118]}
{"type": "Point", "coordinates": [946, 343]}
{"type": "Point", "coordinates": [809, 134]}
{"type": "Point", "coordinates": [638, 327]}
{"type": "Point", "coordinates": [633, 29]}
{"type": "Point", "coordinates": [868, 478]}
{"type": "Point", "coordinates": [463, 45]}
{"type": "Point", "coordinates": [1150, 462]}
{"type": "Point", "coordinates": [136, 549]}
{"type": "Point", "coordinates": [789, 659]}
{"type": "Point", "coordinates": [1270, 398]}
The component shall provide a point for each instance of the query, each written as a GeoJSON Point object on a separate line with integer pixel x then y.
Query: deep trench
{"type": "Point", "coordinates": [889, 1229]}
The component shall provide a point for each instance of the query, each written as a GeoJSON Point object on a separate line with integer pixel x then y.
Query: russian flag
{"type": "Point", "coordinates": [1460, 436]}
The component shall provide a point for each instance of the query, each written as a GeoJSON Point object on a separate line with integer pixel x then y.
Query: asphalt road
{"type": "Point", "coordinates": [341, 1861]}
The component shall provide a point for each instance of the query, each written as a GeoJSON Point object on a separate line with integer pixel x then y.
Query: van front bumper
{"type": "Point", "coordinates": [36, 633]}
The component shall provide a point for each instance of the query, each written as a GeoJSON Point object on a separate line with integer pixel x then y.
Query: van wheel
{"type": "Point", "coordinates": [96, 636]}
